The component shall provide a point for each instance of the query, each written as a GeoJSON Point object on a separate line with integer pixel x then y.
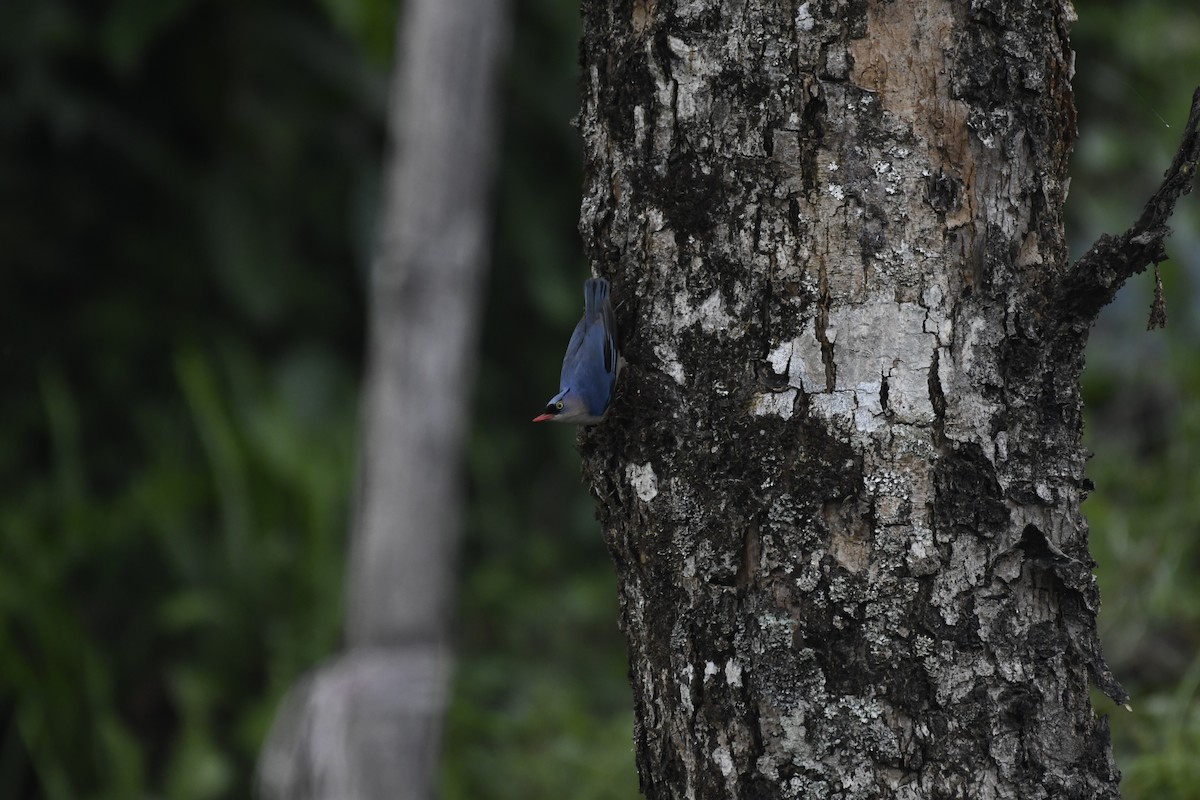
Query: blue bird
{"type": "Point", "coordinates": [590, 367]}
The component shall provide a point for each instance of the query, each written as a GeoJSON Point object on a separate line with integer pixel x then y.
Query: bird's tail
{"type": "Point", "coordinates": [595, 295]}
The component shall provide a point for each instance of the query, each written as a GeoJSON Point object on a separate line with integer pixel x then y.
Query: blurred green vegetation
{"type": "Point", "coordinates": [1137, 65]}
{"type": "Point", "coordinates": [187, 200]}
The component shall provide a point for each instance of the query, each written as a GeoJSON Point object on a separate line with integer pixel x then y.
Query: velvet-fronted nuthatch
{"type": "Point", "coordinates": [589, 370]}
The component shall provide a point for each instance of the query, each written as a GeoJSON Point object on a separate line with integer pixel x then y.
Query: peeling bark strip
{"type": "Point", "coordinates": [841, 485]}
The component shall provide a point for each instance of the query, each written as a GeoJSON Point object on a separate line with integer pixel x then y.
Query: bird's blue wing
{"type": "Point", "coordinates": [597, 312]}
{"type": "Point", "coordinates": [585, 373]}
{"type": "Point", "coordinates": [590, 366]}
{"type": "Point", "coordinates": [573, 352]}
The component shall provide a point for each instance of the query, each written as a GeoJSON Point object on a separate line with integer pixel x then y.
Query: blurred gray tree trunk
{"type": "Point", "coordinates": [366, 726]}
{"type": "Point", "coordinates": [841, 484]}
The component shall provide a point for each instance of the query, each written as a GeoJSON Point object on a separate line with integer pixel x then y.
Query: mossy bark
{"type": "Point", "coordinates": [841, 484]}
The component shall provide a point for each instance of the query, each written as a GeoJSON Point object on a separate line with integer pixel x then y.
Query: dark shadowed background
{"type": "Point", "coordinates": [187, 201]}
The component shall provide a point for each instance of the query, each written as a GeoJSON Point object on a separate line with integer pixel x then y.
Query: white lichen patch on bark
{"type": "Point", "coordinates": [668, 362]}
{"type": "Point", "coordinates": [804, 18]}
{"type": "Point", "coordinates": [800, 360]}
{"type": "Point", "coordinates": [923, 556]}
{"type": "Point", "coordinates": [643, 480]}
{"type": "Point", "coordinates": [733, 673]}
{"type": "Point", "coordinates": [710, 314]}
{"type": "Point", "coordinates": [723, 760]}
{"type": "Point", "coordinates": [873, 342]}
{"type": "Point", "coordinates": [778, 404]}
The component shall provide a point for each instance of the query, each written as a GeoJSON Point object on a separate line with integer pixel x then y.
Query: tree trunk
{"type": "Point", "coordinates": [367, 725]}
{"type": "Point", "coordinates": [841, 484]}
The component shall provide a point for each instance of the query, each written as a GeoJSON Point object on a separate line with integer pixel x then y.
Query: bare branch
{"type": "Point", "coordinates": [1093, 280]}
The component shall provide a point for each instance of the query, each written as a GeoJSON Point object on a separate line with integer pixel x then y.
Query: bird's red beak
{"type": "Point", "coordinates": [543, 417]}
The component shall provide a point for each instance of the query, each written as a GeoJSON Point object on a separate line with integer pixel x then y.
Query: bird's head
{"type": "Point", "coordinates": [566, 406]}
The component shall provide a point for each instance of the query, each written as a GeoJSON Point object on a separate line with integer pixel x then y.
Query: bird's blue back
{"type": "Point", "coordinates": [590, 365]}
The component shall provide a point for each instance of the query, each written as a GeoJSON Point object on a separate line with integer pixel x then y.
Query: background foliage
{"type": "Point", "coordinates": [187, 192]}
{"type": "Point", "coordinates": [1137, 65]}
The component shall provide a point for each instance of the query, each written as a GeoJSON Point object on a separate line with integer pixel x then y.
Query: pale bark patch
{"type": "Point", "coordinates": [643, 480]}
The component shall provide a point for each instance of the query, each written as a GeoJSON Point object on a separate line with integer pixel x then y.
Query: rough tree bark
{"type": "Point", "coordinates": [366, 726]}
{"type": "Point", "coordinates": [841, 484]}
